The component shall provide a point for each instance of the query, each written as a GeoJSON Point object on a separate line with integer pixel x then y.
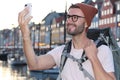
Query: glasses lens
{"type": "Point", "coordinates": [74, 17]}
{"type": "Point", "coordinates": [68, 16]}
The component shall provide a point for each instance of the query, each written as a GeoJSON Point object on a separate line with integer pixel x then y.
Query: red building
{"type": "Point", "coordinates": [109, 15]}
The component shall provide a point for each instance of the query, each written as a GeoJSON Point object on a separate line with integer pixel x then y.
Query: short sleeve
{"type": "Point", "coordinates": [106, 58]}
{"type": "Point", "coordinates": [56, 54]}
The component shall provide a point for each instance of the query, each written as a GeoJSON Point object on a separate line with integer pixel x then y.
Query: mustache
{"type": "Point", "coordinates": [70, 24]}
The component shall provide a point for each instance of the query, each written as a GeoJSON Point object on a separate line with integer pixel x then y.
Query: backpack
{"type": "Point", "coordinates": [101, 37]}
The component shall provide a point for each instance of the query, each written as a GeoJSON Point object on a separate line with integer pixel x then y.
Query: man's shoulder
{"type": "Point", "coordinates": [104, 47]}
{"type": "Point", "coordinates": [58, 48]}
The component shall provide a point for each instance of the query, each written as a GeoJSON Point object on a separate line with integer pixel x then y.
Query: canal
{"type": "Point", "coordinates": [21, 72]}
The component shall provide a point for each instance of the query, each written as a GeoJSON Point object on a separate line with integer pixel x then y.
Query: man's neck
{"type": "Point", "coordinates": [80, 42]}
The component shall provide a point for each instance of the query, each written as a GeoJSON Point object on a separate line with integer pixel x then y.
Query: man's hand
{"type": "Point", "coordinates": [91, 50]}
{"type": "Point", "coordinates": [23, 22]}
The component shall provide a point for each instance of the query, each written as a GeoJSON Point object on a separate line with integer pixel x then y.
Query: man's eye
{"type": "Point", "coordinates": [75, 17]}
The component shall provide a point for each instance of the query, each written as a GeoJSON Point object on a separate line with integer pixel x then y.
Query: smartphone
{"type": "Point", "coordinates": [29, 5]}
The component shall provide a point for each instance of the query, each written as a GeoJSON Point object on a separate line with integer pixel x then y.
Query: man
{"type": "Point", "coordinates": [100, 61]}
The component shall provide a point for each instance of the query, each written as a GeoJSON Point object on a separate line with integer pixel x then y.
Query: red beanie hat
{"type": "Point", "coordinates": [89, 12]}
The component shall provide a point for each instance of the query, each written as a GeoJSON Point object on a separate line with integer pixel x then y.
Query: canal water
{"type": "Point", "coordinates": [21, 72]}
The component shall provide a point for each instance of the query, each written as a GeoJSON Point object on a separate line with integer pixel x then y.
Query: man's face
{"type": "Point", "coordinates": [75, 21]}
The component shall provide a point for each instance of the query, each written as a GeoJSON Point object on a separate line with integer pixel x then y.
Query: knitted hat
{"type": "Point", "coordinates": [89, 12]}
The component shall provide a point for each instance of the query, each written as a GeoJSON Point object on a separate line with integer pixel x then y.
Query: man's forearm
{"type": "Point", "coordinates": [99, 72]}
{"type": "Point", "coordinates": [29, 53]}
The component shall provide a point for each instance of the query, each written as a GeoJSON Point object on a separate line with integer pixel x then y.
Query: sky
{"type": "Point", "coordinates": [40, 9]}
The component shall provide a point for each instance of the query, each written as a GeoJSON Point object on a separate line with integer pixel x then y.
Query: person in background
{"type": "Point", "coordinates": [100, 60]}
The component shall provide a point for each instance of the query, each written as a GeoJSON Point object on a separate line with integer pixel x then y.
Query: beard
{"type": "Point", "coordinates": [76, 29]}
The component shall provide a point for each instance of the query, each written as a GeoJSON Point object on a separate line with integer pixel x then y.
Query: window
{"type": "Point", "coordinates": [96, 24]}
{"type": "Point", "coordinates": [114, 19]}
{"type": "Point", "coordinates": [108, 11]}
{"type": "Point", "coordinates": [63, 22]}
{"type": "Point", "coordinates": [104, 21]}
{"type": "Point", "coordinates": [102, 13]}
{"type": "Point", "coordinates": [107, 3]}
{"type": "Point", "coordinates": [118, 17]}
{"type": "Point", "coordinates": [46, 28]}
{"type": "Point", "coordinates": [108, 20]}
{"type": "Point", "coordinates": [111, 20]}
{"type": "Point", "coordinates": [92, 25]}
{"type": "Point", "coordinates": [105, 12]}
{"type": "Point", "coordinates": [58, 25]}
{"type": "Point", "coordinates": [118, 6]}
{"type": "Point", "coordinates": [111, 11]}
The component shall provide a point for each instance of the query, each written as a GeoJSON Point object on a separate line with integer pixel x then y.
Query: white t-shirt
{"type": "Point", "coordinates": [71, 69]}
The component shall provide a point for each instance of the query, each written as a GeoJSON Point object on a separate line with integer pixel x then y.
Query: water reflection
{"type": "Point", "coordinates": [8, 72]}
{"type": "Point", "coordinates": [18, 72]}
{"type": "Point", "coordinates": [21, 72]}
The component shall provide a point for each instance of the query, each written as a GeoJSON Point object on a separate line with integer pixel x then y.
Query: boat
{"type": "Point", "coordinates": [16, 58]}
{"type": "Point", "coordinates": [3, 55]}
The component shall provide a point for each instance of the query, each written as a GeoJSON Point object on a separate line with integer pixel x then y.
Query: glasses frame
{"type": "Point", "coordinates": [74, 17]}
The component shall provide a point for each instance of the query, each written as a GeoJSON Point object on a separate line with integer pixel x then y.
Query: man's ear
{"type": "Point", "coordinates": [86, 25]}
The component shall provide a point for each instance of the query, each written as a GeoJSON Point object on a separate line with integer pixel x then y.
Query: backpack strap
{"type": "Point", "coordinates": [66, 50]}
{"type": "Point", "coordinates": [65, 55]}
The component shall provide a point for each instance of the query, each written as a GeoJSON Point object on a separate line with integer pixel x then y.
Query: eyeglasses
{"type": "Point", "coordinates": [74, 17]}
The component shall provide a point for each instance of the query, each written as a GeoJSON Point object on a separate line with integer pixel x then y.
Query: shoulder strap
{"type": "Point", "coordinates": [67, 50]}
{"type": "Point", "coordinates": [98, 43]}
